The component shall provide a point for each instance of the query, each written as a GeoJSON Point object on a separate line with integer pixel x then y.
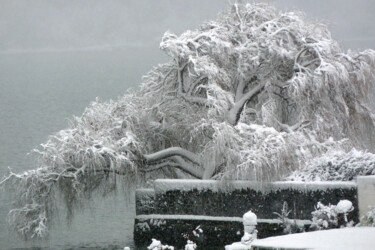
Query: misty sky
{"type": "Point", "coordinates": [75, 24]}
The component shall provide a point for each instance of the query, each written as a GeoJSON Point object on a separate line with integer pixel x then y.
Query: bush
{"type": "Point", "coordinates": [332, 216]}
{"type": "Point", "coordinates": [369, 218]}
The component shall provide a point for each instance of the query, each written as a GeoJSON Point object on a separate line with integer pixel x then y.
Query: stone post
{"type": "Point", "coordinates": [250, 233]}
{"type": "Point", "coordinates": [366, 193]}
{"type": "Point", "coordinates": [249, 224]}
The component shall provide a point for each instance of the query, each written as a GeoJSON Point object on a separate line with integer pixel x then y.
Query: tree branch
{"type": "Point", "coordinates": [233, 114]}
{"type": "Point", "coordinates": [287, 128]}
{"type": "Point", "coordinates": [195, 99]}
{"type": "Point", "coordinates": [180, 78]}
{"type": "Point", "coordinates": [240, 89]}
{"type": "Point", "coordinates": [180, 164]}
{"type": "Point", "coordinates": [181, 91]}
{"type": "Point", "coordinates": [173, 151]}
{"type": "Point", "coordinates": [195, 83]}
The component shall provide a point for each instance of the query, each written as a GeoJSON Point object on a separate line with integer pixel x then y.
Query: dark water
{"type": "Point", "coordinates": [39, 92]}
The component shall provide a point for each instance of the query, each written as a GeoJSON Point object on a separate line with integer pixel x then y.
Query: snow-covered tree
{"type": "Point", "coordinates": [254, 94]}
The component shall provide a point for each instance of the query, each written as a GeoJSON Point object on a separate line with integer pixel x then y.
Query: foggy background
{"type": "Point", "coordinates": [56, 56]}
{"type": "Point", "coordinates": [42, 25]}
{"type": "Point", "coordinates": [61, 54]}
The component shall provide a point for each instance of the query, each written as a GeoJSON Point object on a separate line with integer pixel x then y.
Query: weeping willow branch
{"type": "Point", "coordinates": [173, 151]}
{"type": "Point", "coordinates": [234, 112]}
{"type": "Point", "coordinates": [177, 162]}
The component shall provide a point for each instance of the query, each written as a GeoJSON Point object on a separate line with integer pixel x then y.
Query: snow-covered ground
{"type": "Point", "coordinates": [358, 238]}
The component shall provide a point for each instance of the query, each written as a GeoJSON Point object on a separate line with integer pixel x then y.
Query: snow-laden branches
{"type": "Point", "coordinates": [336, 166]}
{"type": "Point", "coordinates": [234, 112]}
{"type": "Point", "coordinates": [160, 155]}
{"type": "Point", "coordinates": [254, 94]}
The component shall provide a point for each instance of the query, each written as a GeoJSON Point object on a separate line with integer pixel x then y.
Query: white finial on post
{"type": "Point", "coordinates": [250, 232]}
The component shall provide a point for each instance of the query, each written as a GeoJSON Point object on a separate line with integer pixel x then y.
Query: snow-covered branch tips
{"type": "Point", "coordinates": [254, 94]}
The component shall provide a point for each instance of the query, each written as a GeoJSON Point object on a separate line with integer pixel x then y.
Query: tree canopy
{"type": "Point", "coordinates": [255, 94]}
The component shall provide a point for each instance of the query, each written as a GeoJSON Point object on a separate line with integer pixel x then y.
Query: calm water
{"type": "Point", "coordinates": [39, 92]}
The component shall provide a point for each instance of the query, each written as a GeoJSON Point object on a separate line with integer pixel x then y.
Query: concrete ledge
{"type": "Point", "coordinates": [366, 193]}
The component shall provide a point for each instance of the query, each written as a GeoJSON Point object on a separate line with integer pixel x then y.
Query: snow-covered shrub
{"type": "Point", "coordinates": [331, 216]}
{"type": "Point", "coordinates": [369, 218]}
{"type": "Point", "coordinates": [156, 245]}
{"type": "Point", "coordinates": [324, 217]}
{"type": "Point", "coordinates": [190, 245]}
{"type": "Point", "coordinates": [336, 166]}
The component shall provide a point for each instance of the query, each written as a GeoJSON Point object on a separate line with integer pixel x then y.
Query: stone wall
{"type": "Point", "coordinates": [177, 207]}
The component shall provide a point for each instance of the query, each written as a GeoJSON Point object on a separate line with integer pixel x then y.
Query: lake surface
{"type": "Point", "coordinates": [39, 93]}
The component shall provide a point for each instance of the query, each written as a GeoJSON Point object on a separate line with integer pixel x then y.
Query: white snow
{"type": "Point", "coordinates": [238, 246]}
{"type": "Point", "coordinates": [144, 192]}
{"type": "Point", "coordinates": [250, 232]}
{"type": "Point", "coordinates": [336, 165]}
{"type": "Point", "coordinates": [207, 218]}
{"type": "Point", "coordinates": [314, 186]}
{"type": "Point", "coordinates": [156, 245]}
{"type": "Point", "coordinates": [344, 206]}
{"type": "Point", "coordinates": [369, 218]}
{"type": "Point", "coordinates": [358, 238]}
{"type": "Point", "coordinates": [164, 185]}
{"type": "Point", "coordinates": [247, 238]}
{"type": "Point", "coordinates": [249, 218]}
{"type": "Point", "coordinates": [192, 217]}
{"type": "Point", "coordinates": [190, 245]}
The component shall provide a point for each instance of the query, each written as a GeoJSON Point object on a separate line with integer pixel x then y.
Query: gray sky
{"type": "Point", "coordinates": [73, 24]}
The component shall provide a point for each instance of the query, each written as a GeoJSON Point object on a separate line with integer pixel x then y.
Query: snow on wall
{"type": "Point", "coordinates": [164, 185]}
{"type": "Point", "coordinates": [208, 218]}
{"type": "Point", "coordinates": [191, 217]}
